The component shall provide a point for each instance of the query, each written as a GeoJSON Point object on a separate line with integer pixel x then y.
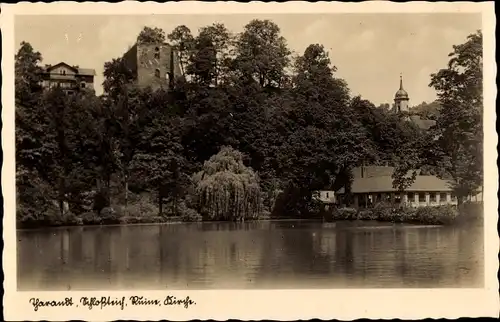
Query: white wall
{"type": "Point", "coordinates": [327, 196]}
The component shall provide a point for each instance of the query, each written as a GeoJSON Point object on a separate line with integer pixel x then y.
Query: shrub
{"type": "Point", "coordinates": [109, 215]}
{"type": "Point", "coordinates": [384, 212]}
{"type": "Point", "coordinates": [265, 215]}
{"type": "Point", "coordinates": [139, 205]}
{"type": "Point", "coordinates": [440, 215]}
{"type": "Point", "coordinates": [366, 214]}
{"type": "Point", "coordinates": [188, 214]}
{"type": "Point", "coordinates": [90, 218]}
{"type": "Point", "coordinates": [341, 214]}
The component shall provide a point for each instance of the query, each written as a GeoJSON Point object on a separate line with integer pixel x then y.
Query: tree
{"type": "Point", "coordinates": [116, 76]}
{"type": "Point", "coordinates": [427, 110]}
{"type": "Point", "coordinates": [127, 123]}
{"type": "Point", "coordinates": [27, 72]}
{"type": "Point", "coordinates": [220, 40]}
{"type": "Point", "coordinates": [203, 61]}
{"type": "Point", "coordinates": [384, 106]}
{"type": "Point", "coordinates": [210, 56]}
{"type": "Point", "coordinates": [459, 130]}
{"type": "Point", "coordinates": [325, 138]}
{"type": "Point", "coordinates": [183, 41]}
{"type": "Point", "coordinates": [227, 189]}
{"type": "Point", "coordinates": [454, 147]}
{"type": "Point", "coordinates": [262, 54]}
{"type": "Point", "coordinates": [159, 158]}
{"type": "Point", "coordinates": [151, 35]}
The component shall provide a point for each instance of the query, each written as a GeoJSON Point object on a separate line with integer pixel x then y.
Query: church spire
{"type": "Point", "coordinates": [401, 98]}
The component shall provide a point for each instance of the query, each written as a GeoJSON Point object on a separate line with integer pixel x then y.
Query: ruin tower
{"type": "Point", "coordinates": [153, 65]}
{"type": "Point", "coordinates": [401, 98]}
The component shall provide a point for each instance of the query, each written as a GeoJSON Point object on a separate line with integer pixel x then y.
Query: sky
{"type": "Point", "coordinates": [370, 51]}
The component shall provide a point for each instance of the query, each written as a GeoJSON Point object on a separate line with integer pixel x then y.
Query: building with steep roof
{"type": "Point", "coordinates": [67, 77]}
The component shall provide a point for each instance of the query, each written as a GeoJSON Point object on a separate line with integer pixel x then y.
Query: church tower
{"type": "Point", "coordinates": [401, 98]}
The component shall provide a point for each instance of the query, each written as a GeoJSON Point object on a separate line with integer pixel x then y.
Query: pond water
{"type": "Point", "coordinates": [253, 255]}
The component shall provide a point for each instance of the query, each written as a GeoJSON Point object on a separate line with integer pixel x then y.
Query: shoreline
{"type": "Point", "coordinates": [152, 222]}
{"type": "Point", "coordinates": [429, 215]}
{"type": "Point", "coordinates": [178, 222]}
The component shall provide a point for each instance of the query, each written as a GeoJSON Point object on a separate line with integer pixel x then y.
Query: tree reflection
{"type": "Point", "coordinates": [248, 255]}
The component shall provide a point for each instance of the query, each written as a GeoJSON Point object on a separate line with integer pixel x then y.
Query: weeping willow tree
{"type": "Point", "coordinates": [227, 189]}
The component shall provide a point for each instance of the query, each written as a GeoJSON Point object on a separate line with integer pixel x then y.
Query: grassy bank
{"type": "Point", "coordinates": [142, 210]}
{"type": "Point", "coordinates": [440, 215]}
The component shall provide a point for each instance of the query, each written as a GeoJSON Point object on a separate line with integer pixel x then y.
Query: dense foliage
{"type": "Point", "coordinates": [455, 145]}
{"type": "Point", "coordinates": [247, 130]}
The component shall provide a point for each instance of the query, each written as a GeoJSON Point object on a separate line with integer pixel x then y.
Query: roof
{"type": "Point", "coordinates": [401, 93]}
{"type": "Point", "coordinates": [384, 184]}
{"type": "Point", "coordinates": [372, 171]}
{"type": "Point", "coordinates": [76, 69]}
{"type": "Point", "coordinates": [86, 71]}
{"type": "Point", "coordinates": [48, 68]}
{"type": "Point", "coordinates": [421, 123]}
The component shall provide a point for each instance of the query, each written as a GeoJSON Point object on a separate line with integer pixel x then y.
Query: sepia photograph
{"type": "Point", "coordinates": [253, 151]}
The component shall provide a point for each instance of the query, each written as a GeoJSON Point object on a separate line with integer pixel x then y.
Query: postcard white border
{"type": "Point", "coordinates": [259, 304]}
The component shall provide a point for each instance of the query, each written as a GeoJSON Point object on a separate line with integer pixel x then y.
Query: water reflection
{"type": "Point", "coordinates": [288, 254]}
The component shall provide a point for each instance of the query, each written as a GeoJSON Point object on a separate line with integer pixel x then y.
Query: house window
{"type": "Point", "coordinates": [82, 85]}
{"type": "Point", "coordinates": [411, 197]}
{"type": "Point", "coordinates": [421, 197]}
{"type": "Point", "coordinates": [157, 72]}
{"type": "Point", "coordinates": [397, 198]}
{"type": "Point", "coordinates": [442, 197]}
{"type": "Point", "coordinates": [432, 197]}
{"type": "Point", "coordinates": [327, 195]}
